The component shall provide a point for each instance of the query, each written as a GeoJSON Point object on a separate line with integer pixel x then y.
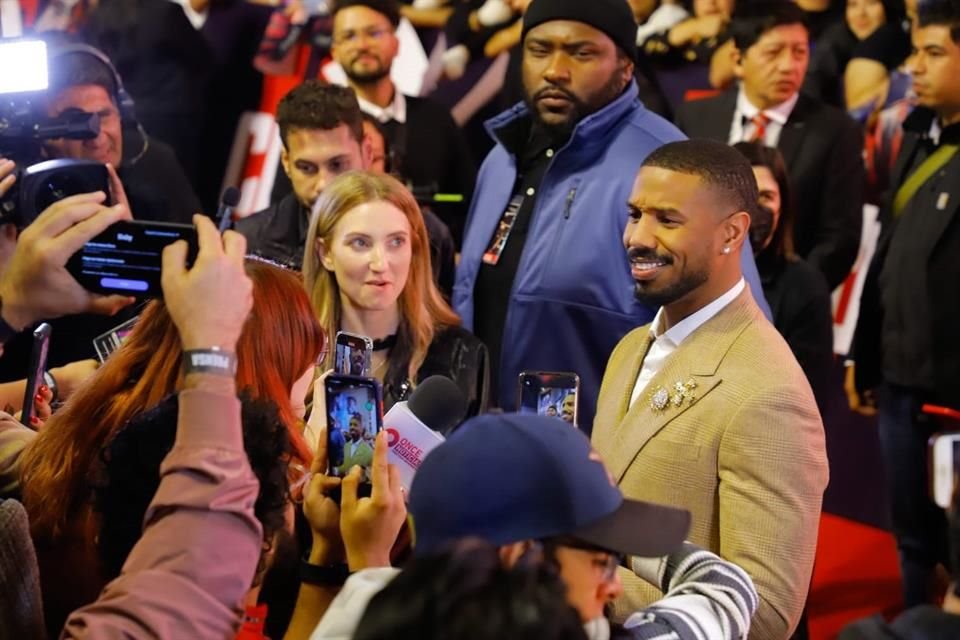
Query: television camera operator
{"type": "Point", "coordinates": [83, 83]}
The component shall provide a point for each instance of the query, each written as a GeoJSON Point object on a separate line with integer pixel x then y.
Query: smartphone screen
{"type": "Point", "coordinates": [38, 364]}
{"type": "Point", "coordinates": [125, 259]}
{"type": "Point", "coordinates": [945, 460]}
{"type": "Point", "coordinates": [354, 354]}
{"type": "Point", "coordinates": [354, 418]}
{"type": "Point", "coordinates": [552, 394]}
{"type": "Point", "coordinates": [108, 342]}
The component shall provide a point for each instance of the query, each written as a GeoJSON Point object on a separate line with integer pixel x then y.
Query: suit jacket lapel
{"type": "Point", "coordinates": [792, 134]}
{"type": "Point", "coordinates": [697, 359]}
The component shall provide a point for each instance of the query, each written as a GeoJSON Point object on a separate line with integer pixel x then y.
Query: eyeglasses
{"type": "Point", "coordinates": [373, 33]}
{"type": "Point", "coordinates": [603, 559]}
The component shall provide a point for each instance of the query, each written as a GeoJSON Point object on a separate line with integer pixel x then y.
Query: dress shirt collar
{"type": "Point", "coordinates": [396, 110]}
{"type": "Point", "coordinates": [682, 330]}
{"type": "Point", "coordinates": [779, 114]}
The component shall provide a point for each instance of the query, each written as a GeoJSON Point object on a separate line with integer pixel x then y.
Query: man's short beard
{"type": "Point", "coordinates": [688, 282]}
{"type": "Point", "coordinates": [580, 108]}
{"type": "Point", "coordinates": [367, 77]}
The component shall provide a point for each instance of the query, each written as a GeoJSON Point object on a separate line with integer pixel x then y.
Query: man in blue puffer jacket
{"type": "Point", "coordinates": [542, 278]}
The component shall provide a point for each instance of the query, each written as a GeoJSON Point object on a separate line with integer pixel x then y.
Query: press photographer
{"type": "Point", "coordinates": [84, 88]}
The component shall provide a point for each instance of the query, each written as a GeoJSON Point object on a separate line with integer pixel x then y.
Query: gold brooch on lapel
{"type": "Point", "coordinates": [662, 398]}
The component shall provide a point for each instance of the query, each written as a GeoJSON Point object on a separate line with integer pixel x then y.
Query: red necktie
{"type": "Point", "coordinates": [760, 122]}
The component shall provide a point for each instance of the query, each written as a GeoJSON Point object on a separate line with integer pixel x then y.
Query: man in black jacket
{"type": "Point", "coordinates": [321, 128]}
{"type": "Point", "coordinates": [821, 145]}
{"type": "Point", "coordinates": [907, 344]}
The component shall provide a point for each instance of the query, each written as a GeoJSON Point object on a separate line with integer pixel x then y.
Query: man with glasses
{"type": "Point", "coordinates": [426, 146]}
{"type": "Point", "coordinates": [533, 487]}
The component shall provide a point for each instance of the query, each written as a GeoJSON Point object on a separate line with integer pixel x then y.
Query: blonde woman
{"type": "Point", "coordinates": [367, 271]}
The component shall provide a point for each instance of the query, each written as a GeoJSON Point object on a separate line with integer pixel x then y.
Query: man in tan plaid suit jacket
{"type": "Point", "coordinates": [727, 426]}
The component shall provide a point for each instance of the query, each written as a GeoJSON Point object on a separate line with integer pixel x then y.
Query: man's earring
{"type": "Point", "coordinates": [726, 249]}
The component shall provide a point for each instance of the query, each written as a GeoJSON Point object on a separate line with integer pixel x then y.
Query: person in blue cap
{"type": "Point", "coordinates": [533, 487]}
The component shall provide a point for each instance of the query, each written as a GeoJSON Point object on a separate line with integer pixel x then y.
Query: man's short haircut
{"type": "Point", "coordinates": [78, 68]}
{"type": "Point", "coordinates": [388, 8]}
{"type": "Point", "coordinates": [315, 105]}
{"type": "Point", "coordinates": [718, 165]}
{"type": "Point", "coordinates": [753, 19]}
{"type": "Point", "coordinates": [941, 13]}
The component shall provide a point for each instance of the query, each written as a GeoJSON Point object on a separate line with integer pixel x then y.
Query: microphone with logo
{"type": "Point", "coordinates": [416, 427]}
{"type": "Point", "coordinates": [228, 201]}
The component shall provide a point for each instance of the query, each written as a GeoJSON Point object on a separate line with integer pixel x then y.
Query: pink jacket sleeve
{"type": "Point", "coordinates": [187, 575]}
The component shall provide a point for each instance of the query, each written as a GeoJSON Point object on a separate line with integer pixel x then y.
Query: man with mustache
{"type": "Point", "coordinates": [553, 292]}
{"type": "Point", "coordinates": [906, 346]}
{"type": "Point", "coordinates": [821, 145]}
{"type": "Point", "coordinates": [706, 408]}
{"type": "Point", "coordinates": [427, 148]}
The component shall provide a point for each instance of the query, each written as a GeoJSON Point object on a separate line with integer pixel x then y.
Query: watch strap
{"type": "Point", "coordinates": [211, 360]}
{"type": "Point", "coordinates": [324, 576]}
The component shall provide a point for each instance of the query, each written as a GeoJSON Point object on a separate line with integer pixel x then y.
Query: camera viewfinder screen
{"type": "Point", "coordinates": [549, 395]}
{"type": "Point", "coordinates": [353, 414]}
{"type": "Point", "coordinates": [352, 357]}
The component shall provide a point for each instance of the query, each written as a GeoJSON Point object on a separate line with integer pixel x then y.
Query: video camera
{"type": "Point", "coordinates": [23, 131]}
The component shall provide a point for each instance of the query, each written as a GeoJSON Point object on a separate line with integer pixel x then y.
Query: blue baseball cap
{"type": "Point", "coordinates": [505, 478]}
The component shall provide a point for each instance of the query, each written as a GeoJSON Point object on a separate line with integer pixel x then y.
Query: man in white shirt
{"type": "Point", "coordinates": [706, 408]}
{"type": "Point", "coordinates": [426, 147]}
{"type": "Point", "coordinates": [821, 146]}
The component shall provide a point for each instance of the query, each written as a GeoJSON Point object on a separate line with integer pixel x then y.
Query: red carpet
{"type": "Point", "coordinates": [856, 575]}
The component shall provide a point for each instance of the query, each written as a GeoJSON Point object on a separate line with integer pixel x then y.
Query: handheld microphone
{"type": "Point", "coordinates": [229, 200]}
{"type": "Point", "coordinates": [418, 426]}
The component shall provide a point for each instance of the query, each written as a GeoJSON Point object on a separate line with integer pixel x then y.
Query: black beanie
{"type": "Point", "coordinates": [613, 17]}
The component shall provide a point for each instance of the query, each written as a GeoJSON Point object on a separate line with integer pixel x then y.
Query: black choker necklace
{"type": "Point", "coordinates": [385, 344]}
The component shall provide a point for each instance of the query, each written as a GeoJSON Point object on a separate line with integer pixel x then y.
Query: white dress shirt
{"type": "Point", "coordinates": [666, 342]}
{"type": "Point", "coordinates": [741, 129]}
{"type": "Point", "coordinates": [396, 110]}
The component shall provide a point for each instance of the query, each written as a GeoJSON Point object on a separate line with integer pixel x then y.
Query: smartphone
{"type": "Point", "coordinates": [550, 393]}
{"type": "Point", "coordinates": [125, 259]}
{"type": "Point", "coordinates": [38, 364]}
{"type": "Point", "coordinates": [107, 343]}
{"type": "Point", "coordinates": [944, 467]}
{"type": "Point", "coordinates": [354, 418]}
{"type": "Point", "coordinates": [354, 354]}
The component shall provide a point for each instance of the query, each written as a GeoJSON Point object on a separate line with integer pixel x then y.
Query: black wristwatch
{"type": "Point", "coordinates": [331, 575]}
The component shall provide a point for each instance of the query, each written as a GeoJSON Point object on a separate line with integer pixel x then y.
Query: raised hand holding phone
{"type": "Point", "coordinates": [36, 284]}
{"type": "Point", "coordinates": [210, 302]}
{"type": "Point", "coordinates": [369, 526]}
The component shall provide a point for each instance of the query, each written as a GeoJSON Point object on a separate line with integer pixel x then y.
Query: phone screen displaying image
{"type": "Point", "coordinates": [354, 354]}
{"type": "Point", "coordinates": [550, 394]}
{"type": "Point", "coordinates": [354, 417]}
{"type": "Point", "coordinates": [126, 257]}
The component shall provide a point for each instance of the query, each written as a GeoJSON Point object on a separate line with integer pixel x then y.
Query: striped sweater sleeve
{"type": "Point", "coordinates": [706, 598]}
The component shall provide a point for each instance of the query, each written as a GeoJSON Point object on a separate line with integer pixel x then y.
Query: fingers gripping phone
{"type": "Point", "coordinates": [354, 418]}
{"type": "Point", "coordinates": [38, 364]}
{"type": "Point", "coordinates": [550, 393]}
{"type": "Point", "coordinates": [354, 354]}
{"type": "Point", "coordinates": [126, 258]}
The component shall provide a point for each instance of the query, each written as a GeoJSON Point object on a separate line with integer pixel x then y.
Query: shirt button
{"type": "Point", "coordinates": [549, 153]}
{"type": "Point", "coordinates": [531, 191]}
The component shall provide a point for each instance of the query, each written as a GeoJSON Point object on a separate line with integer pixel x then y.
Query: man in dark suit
{"type": "Point", "coordinates": [907, 344]}
{"type": "Point", "coordinates": [821, 145]}
{"type": "Point", "coordinates": [427, 147]}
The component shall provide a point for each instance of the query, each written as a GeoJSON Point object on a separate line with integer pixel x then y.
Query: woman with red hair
{"type": "Point", "coordinates": [280, 343]}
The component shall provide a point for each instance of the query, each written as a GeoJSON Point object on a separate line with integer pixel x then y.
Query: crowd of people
{"type": "Point", "coordinates": [663, 216]}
